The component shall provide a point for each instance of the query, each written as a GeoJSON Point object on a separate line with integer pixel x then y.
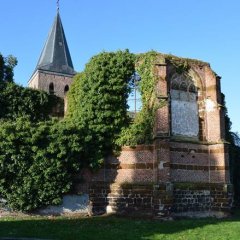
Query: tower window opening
{"type": "Point", "coordinates": [51, 88]}
{"type": "Point", "coordinates": [66, 89]}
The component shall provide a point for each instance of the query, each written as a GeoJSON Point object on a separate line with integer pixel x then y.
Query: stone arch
{"type": "Point", "coordinates": [183, 86]}
{"type": "Point", "coordinates": [192, 88]}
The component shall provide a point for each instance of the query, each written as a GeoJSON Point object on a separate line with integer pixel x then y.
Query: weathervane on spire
{"type": "Point", "coordinates": [58, 5]}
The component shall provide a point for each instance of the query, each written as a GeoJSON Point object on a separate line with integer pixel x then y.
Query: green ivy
{"type": "Point", "coordinates": [17, 101]}
{"type": "Point", "coordinates": [141, 130]}
{"type": "Point", "coordinates": [182, 65]}
{"type": "Point", "coordinates": [37, 162]}
{"type": "Point", "coordinates": [98, 102]}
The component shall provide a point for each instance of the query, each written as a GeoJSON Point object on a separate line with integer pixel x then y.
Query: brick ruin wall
{"type": "Point", "coordinates": [137, 182]}
{"type": "Point", "coordinates": [177, 174]}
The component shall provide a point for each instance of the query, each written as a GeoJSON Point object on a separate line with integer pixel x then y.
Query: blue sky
{"type": "Point", "coordinates": [205, 29]}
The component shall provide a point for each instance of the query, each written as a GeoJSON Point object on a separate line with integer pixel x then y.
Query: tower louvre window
{"type": "Point", "coordinates": [51, 88]}
{"type": "Point", "coordinates": [66, 89]}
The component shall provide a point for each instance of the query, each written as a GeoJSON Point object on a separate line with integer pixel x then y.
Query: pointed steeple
{"type": "Point", "coordinates": [55, 56]}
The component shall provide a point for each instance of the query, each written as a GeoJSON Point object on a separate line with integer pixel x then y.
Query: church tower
{"type": "Point", "coordinates": [54, 71]}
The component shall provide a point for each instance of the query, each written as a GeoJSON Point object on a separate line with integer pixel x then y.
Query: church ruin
{"type": "Point", "coordinates": [186, 169]}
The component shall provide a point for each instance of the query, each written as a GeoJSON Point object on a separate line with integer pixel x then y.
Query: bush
{"type": "Point", "coordinates": [37, 162]}
{"type": "Point", "coordinates": [98, 102]}
{"type": "Point", "coordinates": [17, 101]}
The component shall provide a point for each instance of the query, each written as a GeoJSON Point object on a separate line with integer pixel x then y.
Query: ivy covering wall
{"type": "Point", "coordinates": [38, 156]}
{"type": "Point", "coordinates": [98, 102]}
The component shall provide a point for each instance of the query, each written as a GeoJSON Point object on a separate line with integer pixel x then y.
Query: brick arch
{"type": "Point", "coordinates": [197, 79]}
{"type": "Point", "coordinates": [195, 73]}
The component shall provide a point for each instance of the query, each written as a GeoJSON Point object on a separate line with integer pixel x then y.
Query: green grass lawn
{"type": "Point", "coordinates": [110, 227]}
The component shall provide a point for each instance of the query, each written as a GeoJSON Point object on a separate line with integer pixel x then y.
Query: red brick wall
{"type": "Point", "coordinates": [199, 163]}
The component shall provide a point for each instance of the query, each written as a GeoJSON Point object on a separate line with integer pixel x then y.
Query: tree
{"type": "Point", "coordinates": [17, 101]}
{"type": "Point", "coordinates": [7, 65]}
{"type": "Point", "coordinates": [234, 153]}
{"type": "Point", "coordinates": [37, 162]}
{"type": "Point", "coordinates": [98, 101]}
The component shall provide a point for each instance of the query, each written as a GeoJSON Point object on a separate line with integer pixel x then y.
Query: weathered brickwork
{"type": "Point", "coordinates": [134, 165]}
{"type": "Point", "coordinates": [199, 163]}
{"type": "Point", "coordinates": [162, 121]}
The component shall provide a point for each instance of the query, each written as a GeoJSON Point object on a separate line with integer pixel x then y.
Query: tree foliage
{"type": "Point", "coordinates": [140, 131]}
{"type": "Point", "coordinates": [17, 101]}
{"type": "Point", "coordinates": [37, 162]}
{"type": "Point", "coordinates": [234, 153]}
{"type": "Point", "coordinates": [98, 101]}
{"type": "Point", "coordinates": [38, 158]}
{"type": "Point", "coordinates": [6, 68]}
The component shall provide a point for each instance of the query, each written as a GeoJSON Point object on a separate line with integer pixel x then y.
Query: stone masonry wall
{"type": "Point", "coordinates": [126, 186]}
{"type": "Point", "coordinates": [131, 199]}
{"type": "Point", "coordinates": [202, 197]}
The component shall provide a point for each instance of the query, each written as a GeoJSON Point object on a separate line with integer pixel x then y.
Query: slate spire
{"type": "Point", "coordinates": [55, 56]}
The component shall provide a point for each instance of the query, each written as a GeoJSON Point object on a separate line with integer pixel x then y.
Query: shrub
{"type": "Point", "coordinates": [17, 101]}
{"type": "Point", "coordinates": [98, 102]}
{"type": "Point", "coordinates": [37, 162]}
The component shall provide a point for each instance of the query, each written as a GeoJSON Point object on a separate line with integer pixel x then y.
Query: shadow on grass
{"type": "Point", "coordinates": [112, 227]}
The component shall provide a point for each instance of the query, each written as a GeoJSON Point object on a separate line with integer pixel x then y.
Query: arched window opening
{"type": "Point", "coordinates": [51, 88]}
{"type": "Point", "coordinates": [134, 98]}
{"type": "Point", "coordinates": [184, 107]}
{"type": "Point", "coordinates": [66, 89]}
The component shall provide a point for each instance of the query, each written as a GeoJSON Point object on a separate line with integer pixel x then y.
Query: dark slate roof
{"type": "Point", "coordinates": [55, 56]}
